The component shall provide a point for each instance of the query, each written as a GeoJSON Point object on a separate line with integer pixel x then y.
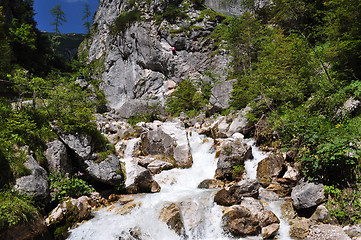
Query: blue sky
{"type": "Point", "coordinates": [73, 10]}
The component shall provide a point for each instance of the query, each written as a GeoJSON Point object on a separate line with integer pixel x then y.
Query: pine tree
{"type": "Point", "coordinates": [59, 17]}
{"type": "Point", "coordinates": [86, 16]}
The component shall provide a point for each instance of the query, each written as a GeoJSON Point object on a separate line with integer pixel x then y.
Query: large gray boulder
{"type": "Point", "coordinates": [307, 195]}
{"type": "Point", "coordinates": [233, 154]}
{"type": "Point", "coordinates": [57, 157]}
{"type": "Point", "coordinates": [169, 139]}
{"type": "Point", "coordinates": [136, 107]}
{"type": "Point", "coordinates": [141, 181]}
{"type": "Point", "coordinates": [79, 143]}
{"type": "Point", "coordinates": [220, 95]}
{"type": "Point", "coordinates": [108, 171]}
{"type": "Point", "coordinates": [240, 123]}
{"type": "Point", "coordinates": [35, 184]}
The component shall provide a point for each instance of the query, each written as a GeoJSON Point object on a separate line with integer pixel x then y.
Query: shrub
{"type": "Point", "coordinates": [15, 209]}
{"type": "Point", "coordinates": [63, 185]}
{"type": "Point", "coordinates": [124, 20]}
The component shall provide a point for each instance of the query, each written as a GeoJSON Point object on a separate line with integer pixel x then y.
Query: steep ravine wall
{"type": "Point", "coordinates": [138, 65]}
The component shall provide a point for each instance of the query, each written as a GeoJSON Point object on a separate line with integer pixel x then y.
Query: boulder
{"type": "Point", "coordinates": [348, 108]}
{"type": "Point", "coordinates": [108, 171]}
{"type": "Point", "coordinates": [220, 95]}
{"type": "Point", "coordinates": [307, 195]}
{"type": "Point", "coordinates": [57, 157]}
{"type": "Point", "coordinates": [254, 205]}
{"type": "Point", "coordinates": [326, 231]}
{"type": "Point", "coordinates": [169, 139]}
{"type": "Point", "coordinates": [299, 228]}
{"type": "Point", "coordinates": [77, 209]}
{"type": "Point", "coordinates": [35, 184]}
{"type": "Point", "coordinates": [136, 107]}
{"type": "Point", "coordinates": [157, 166]}
{"type": "Point", "coordinates": [224, 198]}
{"type": "Point", "coordinates": [240, 123]}
{"type": "Point", "coordinates": [233, 154]}
{"type": "Point", "coordinates": [353, 232]}
{"type": "Point", "coordinates": [269, 168]}
{"type": "Point", "coordinates": [288, 211]}
{"type": "Point", "coordinates": [143, 182]}
{"type": "Point", "coordinates": [79, 144]}
{"type": "Point", "coordinates": [245, 188]}
{"type": "Point", "coordinates": [321, 215]}
{"type": "Point", "coordinates": [171, 215]}
{"type": "Point", "coordinates": [270, 231]}
{"type": "Point", "coordinates": [239, 221]}
{"type": "Point", "coordinates": [266, 218]}
{"type": "Point", "coordinates": [211, 184]}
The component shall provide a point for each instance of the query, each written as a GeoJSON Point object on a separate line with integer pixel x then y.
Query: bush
{"type": "Point", "coordinates": [15, 209]}
{"type": "Point", "coordinates": [63, 185]}
{"type": "Point", "coordinates": [124, 20]}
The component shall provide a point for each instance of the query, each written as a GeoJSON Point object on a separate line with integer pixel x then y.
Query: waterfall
{"type": "Point", "coordinates": [201, 216]}
{"type": "Point", "coordinates": [130, 165]}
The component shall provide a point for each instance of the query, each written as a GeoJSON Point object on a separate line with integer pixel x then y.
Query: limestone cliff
{"type": "Point", "coordinates": [134, 63]}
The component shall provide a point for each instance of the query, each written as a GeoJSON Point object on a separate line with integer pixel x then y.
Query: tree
{"type": "Point", "coordinates": [59, 17]}
{"type": "Point", "coordinates": [86, 16]}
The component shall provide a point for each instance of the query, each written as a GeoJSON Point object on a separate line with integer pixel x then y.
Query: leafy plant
{"type": "Point", "coordinates": [237, 171]}
{"type": "Point", "coordinates": [64, 185]}
{"type": "Point", "coordinates": [124, 20]}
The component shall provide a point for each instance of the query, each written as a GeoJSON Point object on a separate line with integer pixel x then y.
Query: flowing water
{"type": "Point", "coordinates": [201, 216]}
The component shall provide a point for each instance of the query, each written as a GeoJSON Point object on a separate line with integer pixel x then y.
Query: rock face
{"type": "Point", "coordinates": [169, 139]}
{"type": "Point", "coordinates": [137, 63]}
{"type": "Point", "coordinates": [307, 195]}
{"type": "Point", "coordinates": [220, 95]}
{"type": "Point", "coordinates": [233, 154]}
{"type": "Point", "coordinates": [35, 184]}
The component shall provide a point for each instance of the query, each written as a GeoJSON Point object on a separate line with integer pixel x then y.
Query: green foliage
{"type": "Point", "coordinates": [23, 34]}
{"type": "Point", "coordinates": [344, 205]}
{"type": "Point", "coordinates": [124, 20]}
{"type": "Point", "coordinates": [86, 16]}
{"type": "Point", "coordinates": [63, 185]}
{"type": "Point", "coordinates": [237, 172]}
{"type": "Point", "coordinates": [15, 209]}
{"type": "Point", "coordinates": [59, 17]}
{"type": "Point", "coordinates": [186, 98]}
{"type": "Point", "coordinates": [172, 13]}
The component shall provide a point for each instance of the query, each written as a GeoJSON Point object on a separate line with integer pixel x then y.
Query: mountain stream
{"type": "Point", "coordinates": [201, 216]}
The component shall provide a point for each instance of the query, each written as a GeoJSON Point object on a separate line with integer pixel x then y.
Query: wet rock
{"type": "Point", "coordinates": [78, 209]}
{"type": "Point", "coordinates": [239, 221]}
{"type": "Point", "coordinates": [57, 157]}
{"type": "Point", "coordinates": [245, 188]}
{"type": "Point", "coordinates": [326, 231]}
{"type": "Point", "coordinates": [126, 208]}
{"type": "Point", "coordinates": [157, 166]}
{"type": "Point", "coordinates": [170, 139]}
{"type": "Point", "coordinates": [307, 195]}
{"type": "Point", "coordinates": [267, 218]}
{"type": "Point", "coordinates": [233, 154]}
{"type": "Point", "coordinates": [288, 212]}
{"type": "Point", "coordinates": [108, 171]}
{"type": "Point", "coordinates": [35, 184]}
{"type": "Point", "coordinates": [211, 184]}
{"type": "Point", "coordinates": [268, 195]}
{"type": "Point", "coordinates": [269, 168]}
{"type": "Point", "coordinates": [270, 231]}
{"type": "Point", "coordinates": [172, 216]}
{"type": "Point", "coordinates": [299, 228]}
{"type": "Point", "coordinates": [224, 198]}
{"type": "Point", "coordinates": [145, 161]}
{"type": "Point", "coordinates": [254, 205]}
{"type": "Point", "coordinates": [143, 183]}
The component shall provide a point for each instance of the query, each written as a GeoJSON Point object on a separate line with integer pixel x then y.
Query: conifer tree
{"type": "Point", "coordinates": [59, 17]}
{"type": "Point", "coordinates": [86, 16]}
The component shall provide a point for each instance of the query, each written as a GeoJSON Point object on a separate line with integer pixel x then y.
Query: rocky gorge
{"type": "Point", "coordinates": [185, 177]}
